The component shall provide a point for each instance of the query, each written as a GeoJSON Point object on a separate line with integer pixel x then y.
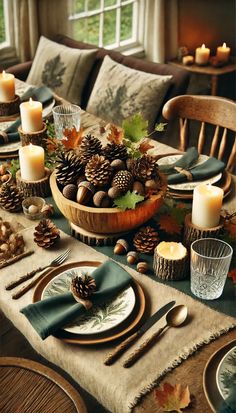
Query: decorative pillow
{"type": "Point", "coordinates": [120, 92]}
{"type": "Point", "coordinates": [63, 69]}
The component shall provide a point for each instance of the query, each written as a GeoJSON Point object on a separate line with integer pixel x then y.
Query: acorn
{"type": "Point", "coordinates": [121, 247]}
{"type": "Point", "coordinates": [101, 199]}
{"type": "Point", "coordinates": [118, 165]}
{"type": "Point", "coordinates": [138, 188]}
{"type": "Point", "coordinates": [114, 192]}
{"type": "Point", "coordinates": [33, 209]}
{"type": "Point", "coordinates": [69, 191]}
{"type": "Point", "coordinates": [132, 257]}
{"type": "Point", "coordinates": [85, 192]}
{"type": "Point", "coordinates": [142, 267]}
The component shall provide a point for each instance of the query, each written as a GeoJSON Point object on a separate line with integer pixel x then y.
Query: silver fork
{"type": "Point", "coordinates": [55, 263]}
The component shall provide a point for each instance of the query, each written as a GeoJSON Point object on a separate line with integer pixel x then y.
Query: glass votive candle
{"type": "Point", "coordinates": [210, 261]}
{"type": "Point", "coordinates": [66, 120]}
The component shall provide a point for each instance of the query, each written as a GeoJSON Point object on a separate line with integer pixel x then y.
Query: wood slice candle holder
{"type": "Point", "coordinates": [34, 188]}
{"type": "Point", "coordinates": [168, 268]}
{"type": "Point", "coordinates": [36, 138]}
{"type": "Point", "coordinates": [192, 232]}
{"type": "Point", "coordinates": [93, 239]}
{"type": "Point", "coordinates": [10, 108]}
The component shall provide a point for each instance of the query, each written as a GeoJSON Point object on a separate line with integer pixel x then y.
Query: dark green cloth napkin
{"type": "Point", "coordinates": [49, 315]}
{"type": "Point", "coordinates": [205, 170]}
{"type": "Point", "coordinates": [185, 162]}
{"type": "Point", "coordinates": [42, 94]}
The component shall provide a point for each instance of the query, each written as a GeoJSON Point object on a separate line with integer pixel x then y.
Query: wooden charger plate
{"type": "Point", "coordinates": [113, 334]}
{"type": "Point", "coordinates": [211, 390]}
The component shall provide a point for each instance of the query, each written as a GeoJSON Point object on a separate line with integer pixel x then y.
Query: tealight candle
{"type": "Point", "coordinates": [202, 55]}
{"type": "Point", "coordinates": [7, 87]}
{"type": "Point", "coordinates": [31, 116]}
{"type": "Point", "coordinates": [223, 53]}
{"type": "Point", "coordinates": [31, 159]}
{"type": "Point", "coordinates": [170, 260]}
{"type": "Point", "coordinates": [207, 203]}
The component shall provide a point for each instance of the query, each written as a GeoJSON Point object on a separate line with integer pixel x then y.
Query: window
{"type": "Point", "coordinates": [2, 23]}
{"type": "Point", "coordinates": [107, 23]}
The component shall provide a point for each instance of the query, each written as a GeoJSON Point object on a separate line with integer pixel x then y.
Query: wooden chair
{"type": "Point", "coordinates": [213, 110]}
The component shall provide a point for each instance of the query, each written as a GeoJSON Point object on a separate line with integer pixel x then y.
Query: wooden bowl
{"type": "Point", "coordinates": [106, 220]}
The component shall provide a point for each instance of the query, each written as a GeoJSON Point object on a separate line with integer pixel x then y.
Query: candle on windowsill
{"type": "Point", "coordinates": [222, 53]}
{"type": "Point", "coordinates": [202, 55]}
{"type": "Point", "coordinates": [7, 87]}
{"type": "Point", "coordinates": [31, 116]}
{"type": "Point", "coordinates": [207, 203]}
{"type": "Point", "coordinates": [31, 159]}
{"type": "Point", "coordinates": [170, 261]}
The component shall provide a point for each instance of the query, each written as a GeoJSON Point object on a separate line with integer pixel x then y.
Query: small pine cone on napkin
{"type": "Point", "coordinates": [82, 287]}
{"type": "Point", "coordinates": [46, 233]}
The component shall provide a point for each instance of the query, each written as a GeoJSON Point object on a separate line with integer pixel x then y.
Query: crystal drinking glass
{"type": "Point", "coordinates": [66, 120]}
{"type": "Point", "coordinates": [210, 261]}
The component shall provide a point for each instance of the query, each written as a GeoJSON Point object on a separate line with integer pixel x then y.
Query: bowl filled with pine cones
{"type": "Point", "coordinates": [104, 190]}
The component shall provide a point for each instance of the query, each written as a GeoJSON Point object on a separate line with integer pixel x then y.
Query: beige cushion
{"type": "Point", "coordinates": [63, 69]}
{"type": "Point", "coordinates": [120, 92]}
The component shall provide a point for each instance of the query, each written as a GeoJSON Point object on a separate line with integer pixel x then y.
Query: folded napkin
{"type": "Point", "coordinates": [42, 94]}
{"type": "Point", "coordinates": [185, 162]}
{"type": "Point", "coordinates": [48, 315]}
{"type": "Point", "coordinates": [205, 170]}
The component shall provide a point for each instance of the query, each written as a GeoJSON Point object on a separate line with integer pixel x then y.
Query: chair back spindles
{"type": "Point", "coordinates": [211, 112]}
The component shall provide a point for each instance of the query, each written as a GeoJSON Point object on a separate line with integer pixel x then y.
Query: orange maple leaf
{"type": "Point", "coordinates": [173, 398]}
{"type": "Point", "coordinates": [115, 134]}
{"type": "Point", "coordinates": [145, 145]}
{"type": "Point", "coordinates": [232, 274]}
{"type": "Point", "coordinates": [168, 224]}
{"type": "Point", "coordinates": [72, 138]}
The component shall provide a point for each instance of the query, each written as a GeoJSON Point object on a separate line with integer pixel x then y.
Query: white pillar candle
{"type": "Point", "coordinates": [222, 53]}
{"type": "Point", "coordinates": [7, 87]}
{"type": "Point", "coordinates": [31, 116]}
{"type": "Point", "coordinates": [207, 203]}
{"type": "Point", "coordinates": [31, 159]}
{"type": "Point", "coordinates": [171, 250]}
{"type": "Point", "coordinates": [202, 55]}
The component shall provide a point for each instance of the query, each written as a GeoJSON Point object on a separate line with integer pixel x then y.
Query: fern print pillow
{"type": "Point", "coordinates": [61, 68]}
{"type": "Point", "coordinates": [120, 92]}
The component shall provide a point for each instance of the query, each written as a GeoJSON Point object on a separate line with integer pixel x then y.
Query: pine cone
{"type": "Point", "coordinates": [68, 169]}
{"type": "Point", "coordinates": [146, 240]}
{"type": "Point", "coordinates": [145, 168]}
{"type": "Point", "coordinates": [98, 171]}
{"type": "Point", "coordinates": [123, 180]}
{"type": "Point", "coordinates": [46, 233]}
{"type": "Point", "coordinates": [89, 146]}
{"type": "Point", "coordinates": [11, 198]}
{"type": "Point", "coordinates": [83, 287]}
{"type": "Point", "coordinates": [114, 151]}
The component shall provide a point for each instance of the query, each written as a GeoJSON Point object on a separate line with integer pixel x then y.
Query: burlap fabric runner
{"type": "Point", "coordinates": [116, 388]}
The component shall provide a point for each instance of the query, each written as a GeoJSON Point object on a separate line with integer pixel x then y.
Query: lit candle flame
{"type": "Point", "coordinates": [224, 45]}
{"type": "Point", "coordinates": [203, 46]}
{"type": "Point", "coordinates": [30, 101]}
{"type": "Point", "coordinates": [3, 74]}
{"type": "Point", "coordinates": [172, 249]}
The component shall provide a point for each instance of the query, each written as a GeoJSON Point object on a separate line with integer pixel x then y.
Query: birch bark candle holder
{"type": "Point", "coordinates": [11, 107]}
{"type": "Point", "coordinates": [192, 232]}
{"type": "Point", "coordinates": [39, 188]}
{"type": "Point", "coordinates": [36, 138]}
{"type": "Point", "coordinates": [170, 261]}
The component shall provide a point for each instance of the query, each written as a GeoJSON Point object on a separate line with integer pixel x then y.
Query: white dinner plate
{"type": "Point", "coordinates": [99, 318]}
{"type": "Point", "coordinates": [188, 186]}
{"type": "Point", "coordinates": [226, 373]}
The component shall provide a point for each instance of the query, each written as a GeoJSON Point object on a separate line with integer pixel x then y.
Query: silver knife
{"type": "Point", "coordinates": [126, 343]}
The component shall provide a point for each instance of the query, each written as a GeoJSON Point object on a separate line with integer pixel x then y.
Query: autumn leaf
{"type": "Point", "coordinates": [173, 398]}
{"type": "Point", "coordinates": [135, 128]}
{"type": "Point", "coordinates": [168, 224]}
{"type": "Point", "coordinates": [128, 201]}
{"type": "Point", "coordinates": [72, 138]}
{"type": "Point", "coordinates": [232, 274]}
{"type": "Point", "coordinates": [114, 134]}
{"type": "Point", "coordinates": [145, 145]}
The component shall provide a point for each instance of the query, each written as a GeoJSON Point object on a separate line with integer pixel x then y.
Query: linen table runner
{"type": "Point", "coordinates": [116, 388]}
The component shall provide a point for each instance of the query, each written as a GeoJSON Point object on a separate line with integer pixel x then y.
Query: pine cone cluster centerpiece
{"type": "Point", "coordinates": [11, 198]}
{"type": "Point", "coordinates": [146, 240]}
{"type": "Point", "coordinates": [46, 234]}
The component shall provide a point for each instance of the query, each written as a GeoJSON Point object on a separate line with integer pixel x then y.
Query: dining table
{"type": "Point", "coordinates": [188, 355]}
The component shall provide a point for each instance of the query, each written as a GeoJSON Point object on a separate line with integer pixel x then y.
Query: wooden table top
{"type": "Point", "coordinates": [207, 69]}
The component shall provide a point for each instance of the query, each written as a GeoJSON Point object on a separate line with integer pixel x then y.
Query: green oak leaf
{"type": "Point", "coordinates": [160, 127]}
{"type": "Point", "coordinates": [128, 201]}
{"type": "Point", "coordinates": [135, 128]}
